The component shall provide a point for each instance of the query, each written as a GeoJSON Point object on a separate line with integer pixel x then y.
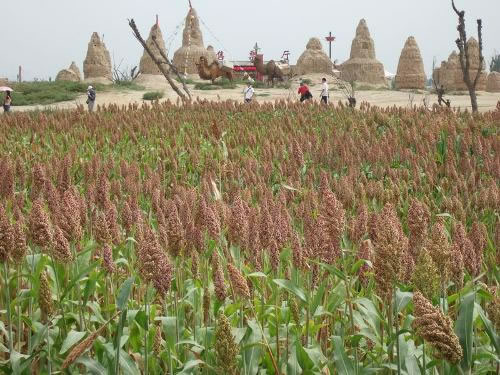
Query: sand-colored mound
{"type": "Point", "coordinates": [72, 74]}
{"type": "Point", "coordinates": [314, 59]}
{"type": "Point", "coordinates": [186, 57]}
{"type": "Point", "coordinates": [493, 82]}
{"type": "Point", "coordinates": [97, 64]}
{"type": "Point", "coordinates": [411, 73]}
{"type": "Point", "coordinates": [147, 65]}
{"type": "Point", "coordinates": [450, 74]}
{"type": "Point", "coordinates": [362, 66]}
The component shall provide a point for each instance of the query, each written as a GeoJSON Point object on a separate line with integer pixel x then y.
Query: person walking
{"type": "Point", "coordinates": [248, 93]}
{"type": "Point", "coordinates": [7, 101]}
{"type": "Point", "coordinates": [91, 94]}
{"type": "Point", "coordinates": [324, 91]}
{"type": "Point", "coordinates": [304, 92]}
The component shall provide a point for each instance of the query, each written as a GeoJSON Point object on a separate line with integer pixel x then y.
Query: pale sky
{"type": "Point", "coordinates": [44, 36]}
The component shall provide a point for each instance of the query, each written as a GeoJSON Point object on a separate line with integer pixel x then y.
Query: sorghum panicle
{"type": "Point", "coordinates": [226, 349]}
{"type": "Point", "coordinates": [436, 329]}
{"type": "Point", "coordinates": [238, 280]}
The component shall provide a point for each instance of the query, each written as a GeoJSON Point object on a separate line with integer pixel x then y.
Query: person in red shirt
{"type": "Point", "coordinates": [304, 92]}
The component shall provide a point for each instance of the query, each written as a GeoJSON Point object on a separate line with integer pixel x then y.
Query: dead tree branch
{"type": "Point", "coordinates": [158, 63]}
{"type": "Point", "coordinates": [172, 67]}
{"type": "Point", "coordinates": [464, 56]}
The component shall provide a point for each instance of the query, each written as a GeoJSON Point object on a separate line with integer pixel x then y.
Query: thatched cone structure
{"type": "Point", "coordinates": [314, 59]}
{"type": "Point", "coordinates": [97, 64]}
{"type": "Point", "coordinates": [186, 57]}
{"type": "Point", "coordinates": [362, 65]}
{"type": "Point", "coordinates": [71, 74]}
{"type": "Point", "coordinates": [493, 82]}
{"type": "Point", "coordinates": [450, 75]}
{"type": "Point", "coordinates": [411, 73]}
{"type": "Point", "coordinates": [147, 65]}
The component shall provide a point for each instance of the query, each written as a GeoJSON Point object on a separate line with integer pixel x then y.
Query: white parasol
{"type": "Point", "coordinates": [5, 88]}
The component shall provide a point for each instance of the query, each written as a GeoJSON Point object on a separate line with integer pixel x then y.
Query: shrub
{"type": "Point", "coordinates": [152, 95]}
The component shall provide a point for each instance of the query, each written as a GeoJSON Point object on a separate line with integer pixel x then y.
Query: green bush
{"type": "Point", "coordinates": [128, 85]}
{"type": "Point", "coordinates": [152, 95]}
{"type": "Point", "coordinates": [45, 92]}
{"type": "Point", "coordinates": [223, 83]}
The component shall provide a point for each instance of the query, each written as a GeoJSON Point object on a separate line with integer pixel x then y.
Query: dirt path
{"type": "Point", "coordinates": [381, 98]}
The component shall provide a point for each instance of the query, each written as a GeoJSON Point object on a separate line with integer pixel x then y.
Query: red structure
{"type": "Point", "coordinates": [330, 39]}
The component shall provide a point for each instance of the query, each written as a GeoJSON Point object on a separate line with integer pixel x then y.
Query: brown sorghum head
{"type": "Point", "coordinates": [418, 222]}
{"type": "Point", "coordinates": [81, 347]}
{"type": "Point", "coordinates": [226, 349]}
{"type": "Point", "coordinates": [426, 275]}
{"type": "Point", "coordinates": [468, 255]}
{"type": "Point", "coordinates": [19, 248]}
{"type": "Point", "coordinates": [365, 252]}
{"type": "Point", "coordinates": [107, 257]}
{"type": "Point", "coordinates": [101, 229]}
{"type": "Point", "coordinates": [390, 247]}
{"type": "Point", "coordinates": [6, 236]}
{"type": "Point", "coordinates": [238, 281]}
{"type": "Point", "coordinates": [332, 219]}
{"type": "Point", "coordinates": [60, 250]}
{"type": "Point", "coordinates": [206, 306]}
{"type": "Point", "coordinates": [238, 223]}
{"type": "Point", "coordinates": [45, 296]}
{"type": "Point", "coordinates": [41, 232]}
{"type": "Point", "coordinates": [440, 250]}
{"type": "Point", "coordinates": [436, 329]}
{"type": "Point", "coordinates": [154, 265]}
{"type": "Point", "coordinates": [479, 238]}
{"type": "Point", "coordinates": [174, 229]}
{"type": "Point", "coordinates": [218, 275]}
{"type": "Point", "coordinates": [359, 225]}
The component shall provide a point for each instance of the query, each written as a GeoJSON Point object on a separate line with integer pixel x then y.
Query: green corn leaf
{"type": "Point", "coordinates": [70, 340]}
{"type": "Point", "coordinates": [490, 330]}
{"type": "Point", "coordinates": [292, 288]}
{"type": "Point", "coordinates": [93, 367]}
{"type": "Point", "coordinates": [343, 363]}
{"type": "Point", "coordinates": [464, 329]}
{"type": "Point", "coordinates": [124, 293]}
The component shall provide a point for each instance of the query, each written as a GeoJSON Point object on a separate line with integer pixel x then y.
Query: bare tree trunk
{"type": "Point", "coordinates": [464, 55]}
{"type": "Point", "coordinates": [159, 64]}
{"type": "Point", "coordinates": [172, 67]}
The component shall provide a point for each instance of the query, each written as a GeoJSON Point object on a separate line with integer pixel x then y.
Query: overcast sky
{"type": "Point", "coordinates": [45, 36]}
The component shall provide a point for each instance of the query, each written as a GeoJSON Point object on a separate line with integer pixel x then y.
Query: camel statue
{"type": "Point", "coordinates": [271, 69]}
{"type": "Point", "coordinates": [213, 71]}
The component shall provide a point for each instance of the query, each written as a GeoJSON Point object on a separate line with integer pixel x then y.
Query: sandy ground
{"type": "Point", "coordinates": [381, 98]}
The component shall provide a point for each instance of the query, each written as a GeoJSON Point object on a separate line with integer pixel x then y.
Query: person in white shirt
{"type": "Point", "coordinates": [324, 91]}
{"type": "Point", "coordinates": [248, 93]}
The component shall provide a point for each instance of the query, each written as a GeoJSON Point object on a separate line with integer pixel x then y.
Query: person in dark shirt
{"type": "Point", "coordinates": [91, 98]}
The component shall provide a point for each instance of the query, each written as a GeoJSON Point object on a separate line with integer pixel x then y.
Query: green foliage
{"type": "Point", "coordinates": [495, 63]}
{"type": "Point", "coordinates": [212, 179]}
{"type": "Point", "coordinates": [222, 83]}
{"type": "Point", "coordinates": [152, 95]}
{"type": "Point", "coordinates": [45, 92]}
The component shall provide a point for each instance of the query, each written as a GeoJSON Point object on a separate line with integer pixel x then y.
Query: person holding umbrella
{"type": "Point", "coordinates": [7, 101]}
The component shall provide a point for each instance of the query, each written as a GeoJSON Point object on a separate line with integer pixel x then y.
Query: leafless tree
{"type": "Point", "coordinates": [464, 56]}
{"type": "Point", "coordinates": [161, 64]}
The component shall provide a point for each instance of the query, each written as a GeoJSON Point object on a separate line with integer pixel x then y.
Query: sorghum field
{"type": "Point", "coordinates": [220, 238]}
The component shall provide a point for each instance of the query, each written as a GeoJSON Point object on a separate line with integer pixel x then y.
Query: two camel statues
{"type": "Point", "coordinates": [213, 71]}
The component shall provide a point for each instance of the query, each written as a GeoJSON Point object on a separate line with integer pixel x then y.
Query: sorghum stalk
{"type": "Point", "coordinates": [396, 321]}
{"type": "Point", "coordinates": [7, 303]}
{"type": "Point", "coordinates": [123, 318]}
{"type": "Point", "coordinates": [146, 333]}
{"type": "Point", "coordinates": [65, 329]}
